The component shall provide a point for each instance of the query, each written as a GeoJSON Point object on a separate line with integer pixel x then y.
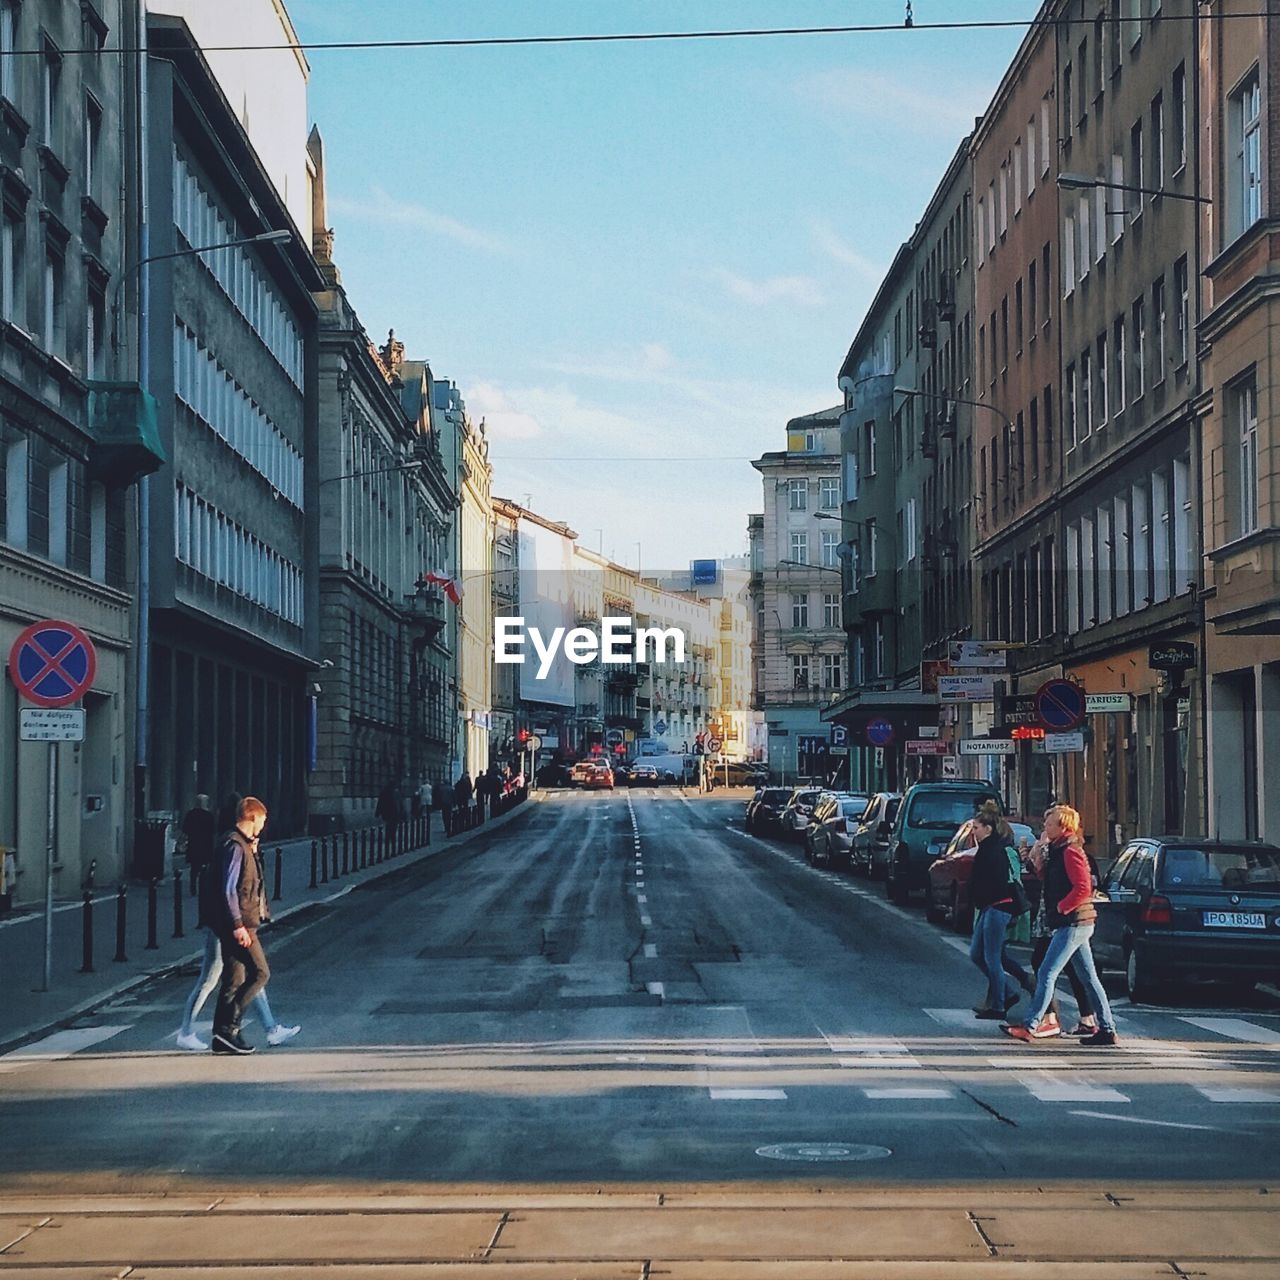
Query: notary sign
{"type": "Point", "coordinates": [987, 746]}
{"type": "Point", "coordinates": [1098, 703]}
{"type": "Point", "coordinates": [51, 724]}
{"type": "Point", "coordinates": [966, 689]}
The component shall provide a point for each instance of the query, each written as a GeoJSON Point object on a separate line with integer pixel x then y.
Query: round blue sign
{"type": "Point", "coordinates": [660, 728]}
{"type": "Point", "coordinates": [879, 733]}
{"type": "Point", "coordinates": [1060, 705]}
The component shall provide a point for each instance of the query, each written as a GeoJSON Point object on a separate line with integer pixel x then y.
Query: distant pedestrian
{"type": "Point", "coordinates": [462, 793]}
{"type": "Point", "coordinates": [996, 891]}
{"type": "Point", "coordinates": [198, 830]}
{"type": "Point", "coordinates": [1068, 894]}
{"type": "Point", "coordinates": [442, 799]}
{"type": "Point", "coordinates": [241, 910]}
{"type": "Point", "coordinates": [389, 811]}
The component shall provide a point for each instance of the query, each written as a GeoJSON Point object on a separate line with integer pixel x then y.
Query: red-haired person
{"type": "Point", "coordinates": [1069, 911]}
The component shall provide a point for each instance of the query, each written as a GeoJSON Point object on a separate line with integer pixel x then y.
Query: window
{"type": "Point", "coordinates": [991, 216]}
{"type": "Point", "coordinates": [872, 548]}
{"type": "Point", "coordinates": [851, 477]}
{"type": "Point", "coordinates": [1245, 398]}
{"type": "Point", "coordinates": [1086, 394]}
{"type": "Point", "coordinates": [1137, 171]}
{"type": "Point", "coordinates": [799, 611]}
{"type": "Point", "coordinates": [1084, 221]}
{"type": "Point", "coordinates": [800, 548]}
{"type": "Point", "coordinates": [58, 512]}
{"type": "Point", "coordinates": [1157, 142]}
{"type": "Point", "coordinates": [1045, 151]}
{"type": "Point", "coordinates": [1161, 536]}
{"type": "Point", "coordinates": [1067, 114]}
{"type": "Point", "coordinates": [855, 568]}
{"type": "Point", "coordinates": [8, 43]}
{"type": "Point", "coordinates": [871, 448]}
{"type": "Point", "coordinates": [1047, 277]}
{"type": "Point", "coordinates": [1070, 406]}
{"type": "Point", "coordinates": [17, 490]}
{"type": "Point", "coordinates": [1119, 362]}
{"type": "Point", "coordinates": [1134, 24]}
{"type": "Point", "coordinates": [1115, 198]}
{"type": "Point", "coordinates": [12, 268]}
{"type": "Point", "coordinates": [1048, 429]}
{"type": "Point", "coordinates": [1245, 122]}
{"type": "Point", "coordinates": [1099, 223]}
{"type": "Point", "coordinates": [98, 532]}
{"type": "Point", "coordinates": [50, 91]}
{"type": "Point", "coordinates": [799, 670]}
{"type": "Point", "coordinates": [1017, 317]}
{"type": "Point", "coordinates": [1068, 254]}
{"type": "Point", "coordinates": [1073, 578]}
{"type": "Point", "coordinates": [878, 643]}
{"type": "Point", "coordinates": [1035, 436]}
{"type": "Point", "coordinates": [1004, 199]}
{"type": "Point", "coordinates": [1182, 300]}
{"type": "Point", "coordinates": [1138, 355]}
{"type": "Point", "coordinates": [1017, 176]}
{"type": "Point", "coordinates": [1101, 396]}
{"type": "Point", "coordinates": [1183, 560]}
{"type": "Point", "coordinates": [798, 495]}
{"type": "Point", "coordinates": [1031, 156]}
{"type": "Point", "coordinates": [1032, 301]}
{"type": "Point", "coordinates": [831, 610]}
{"type": "Point", "coordinates": [1106, 584]}
{"type": "Point", "coordinates": [1099, 54]}
{"type": "Point", "coordinates": [53, 315]}
{"type": "Point", "coordinates": [910, 530]}
{"type": "Point", "coordinates": [1082, 93]}
{"type": "Point", "coordinates": [829, 493]}
{"type": "Point", "coordinates": [830, 549]}
{"type": "Point", "coordinates": [832, 671]}
{"type": "Point", "coordinates": [982, 243]}
{"type": "Point", "coordinates": [1123, 555]}
{"type": "Point", "coordinates": [1141, 545]}
{"type": "Point", "coordinates": [95, 331]}
{"type": "Point", "coordinates": [1157, 332]}
{"type": "Point", "coordinates": [92, 140]}
{"type": "Point", "coordinates": [1179, 117]}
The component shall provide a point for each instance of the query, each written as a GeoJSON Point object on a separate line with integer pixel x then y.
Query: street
{"type": "Point", "coordinates": [625, 988]}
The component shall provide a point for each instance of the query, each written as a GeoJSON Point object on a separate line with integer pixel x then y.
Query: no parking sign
{"type": "Point", "coordinates": [53, 663]}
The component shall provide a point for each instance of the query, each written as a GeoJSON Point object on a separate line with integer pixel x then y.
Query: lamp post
{"type": "Point", "coordinates": [1082, 182]}
{"type": "Point", "coordinates": [142, 639]}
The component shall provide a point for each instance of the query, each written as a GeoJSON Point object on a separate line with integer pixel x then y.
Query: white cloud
{"type": "Point", "coordinates": [503, 420]}
{"type": "Point", "coordinates": [383, 209]}
{"type": "Point", "coordinates": [907, 100]}
{"type": "Point", "coordinates": [839, 250]}
{"type": "Point", "coordinates": [800, 290]}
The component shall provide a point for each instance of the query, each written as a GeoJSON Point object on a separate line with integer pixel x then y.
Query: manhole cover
{"type": "Point", "coordinates": [819, 1152]}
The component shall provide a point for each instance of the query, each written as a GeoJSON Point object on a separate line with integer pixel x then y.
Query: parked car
{"type": "Point", "coordinates": [599, 777]}
{"type": "Point", "coordinates": [1181, 908]}
{"type": "Point", "coordinates": [869, 852]}
{"type": "Point", "coordinates": [830, 834]}
{"type": "Point", "coordinates": [948, 892]}
{"type": "Point", "coordinates": [742, 773]}
{"type": "Point", "coordinates": [621, 773]}
{"type": "Point", "coordinates": [552, 775]}
{"type": "Point", "coordinates": [928, 817]}
{"type": "Point", "coordinates": [765, 808]}
{"type": "Point", "coordinates": [795, 817]}
{"type": "Point", "coordinates": [642, 775]}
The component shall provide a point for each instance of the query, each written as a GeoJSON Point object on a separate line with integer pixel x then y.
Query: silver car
{"type": "Point", "coordinates": [794, 821]}
{"type": "Point", "coordinates": [869, 852]}
{"type": "Point", "coordinates": [829, 837]}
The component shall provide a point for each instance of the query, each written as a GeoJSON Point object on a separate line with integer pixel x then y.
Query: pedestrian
{"type": "Point", "coordinates": [462, 793]}
{"type": "Point", "coordinates": [388, 811]}
{"type": "Point", "coordinates": [481, 795]}
{"type": "Point", "coordinates": [241, 912]}
{"type": "Point", "coordinates": [198, 830]}
{"type": "Point", "coordinates": [1068, 894]}
{"type": "Point", "coordinates": [442, 799]}
{"type": "Point", "coordinates": [996, 891]}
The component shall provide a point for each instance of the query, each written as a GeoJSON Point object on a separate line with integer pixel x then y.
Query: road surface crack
{"type": "Point", "coordinates": [989, 1109]}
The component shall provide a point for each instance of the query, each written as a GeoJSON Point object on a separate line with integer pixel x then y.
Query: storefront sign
{"type": "Point", "coordinates": [966, 688]}
{"type": "Point", "coordinates": [1099, 703]}
{"type": "Point", "coordinates": [977, 653]}
{"type": "Point", "coordinates": [1173, 655]}
{"type": "Point", "coordinates": [927, 747]}
{"type": "Point", "coordinates": [1018, 709]}
{"type": "Point", "coordinates": [987, 747]}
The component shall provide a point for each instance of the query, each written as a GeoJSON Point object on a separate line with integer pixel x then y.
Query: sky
{"type": "Point", "coordinates": [636, 261]}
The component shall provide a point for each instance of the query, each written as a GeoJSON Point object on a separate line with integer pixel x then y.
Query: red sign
{"type": "Point", "coordinates": [53, 663]}
{"type": "Point", "coordinates": [928, 747]}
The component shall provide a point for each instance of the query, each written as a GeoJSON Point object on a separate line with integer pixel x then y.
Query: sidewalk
{"type": "Point", "coordinates": [26, 1012]}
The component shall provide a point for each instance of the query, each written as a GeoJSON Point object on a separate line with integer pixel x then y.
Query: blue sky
{"type": "Point", "coordinates": [638, 251]}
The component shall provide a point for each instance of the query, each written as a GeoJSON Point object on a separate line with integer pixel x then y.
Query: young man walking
{"type": "Point", "coordinates": [242, 908]}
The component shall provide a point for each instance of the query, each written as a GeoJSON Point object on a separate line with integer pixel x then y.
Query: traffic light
{"type": "Point", "coordinates": [523, 736]}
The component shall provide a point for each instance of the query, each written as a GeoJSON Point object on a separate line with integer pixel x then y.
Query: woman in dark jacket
{"type": "Point", "coordinates": [996, 898]}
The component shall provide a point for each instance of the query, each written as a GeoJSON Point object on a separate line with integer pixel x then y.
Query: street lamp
{"type": "Point", "coordinates": [1082, 182]}
{"type": "Point", "coordinates": [376, 471]}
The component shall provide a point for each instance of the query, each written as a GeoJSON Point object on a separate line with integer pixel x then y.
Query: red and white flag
{"type": "Point", "coordinates": [448, 585]}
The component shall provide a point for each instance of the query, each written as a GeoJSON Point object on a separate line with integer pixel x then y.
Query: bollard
{"type": "Point", "coordinates": [120, 922]}
{"type": "Point", "coordinates": [334, 876]}
{"type": "Point", "coordinates": [324, 859]}
{"type": "Point", "coordinates": [152, 945]}
{"type": "Point", "coordinates": [380, 846]}
{"type": "Point", "coordinates": [177, 903]}
{"type": "Point", "coordinates": [314, 850]}
{"type": "Point", "coordinates": [364, 848]}
{"type": "Point", "coordinates": [346, 852]}
{"type": "Point", "coordinates": [426, 827]}
{"type": "Point", "coordinates": [86, 965]}
{"type": "Point", "coordinates": [275, 897]}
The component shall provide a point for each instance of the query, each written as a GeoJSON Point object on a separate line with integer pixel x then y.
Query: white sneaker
{"type": "Point", "coordinates": [280, 1033]}
{"type": "Point", "coordinates": [191, 1042]}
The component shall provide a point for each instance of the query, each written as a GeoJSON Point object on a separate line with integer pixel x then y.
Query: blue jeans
{"type": "Point", "coordinates": [987, 951]}
{"type": "Point", "coordinates": [1069, 945]}
{"type": "Point", "coordinates": [207, 984]}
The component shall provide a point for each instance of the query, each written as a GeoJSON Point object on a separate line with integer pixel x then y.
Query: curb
{"type": "Point", "coordinates": [16, 1039]}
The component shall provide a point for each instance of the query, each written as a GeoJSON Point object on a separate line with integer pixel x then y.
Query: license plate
{"type": "Point", "coordinates": [1235, 920]}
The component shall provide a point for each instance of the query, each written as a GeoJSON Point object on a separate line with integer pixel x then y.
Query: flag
{"type": "Point", "coordinates": [451, 588]}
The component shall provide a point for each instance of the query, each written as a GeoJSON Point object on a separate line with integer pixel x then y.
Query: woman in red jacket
{"type": "Point", "coordinates": [1069, 910]}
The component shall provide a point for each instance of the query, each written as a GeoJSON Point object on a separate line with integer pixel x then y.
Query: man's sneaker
{"type": "Point", "coordinates": [1083, 1029]}
{"type": "Point", "coordinates": [279, 1034]}
{"type": "Point", "coordinates": [191, 1042]}
{"type": "Point", "coordinates": [1029, 1036]}
{"type": "Point", "coordinates": [1100, 1037]}
{"type": "Point", "coordinates": [232, 1043]}
{"type": "Point", "coordinates": [1050, 1026]}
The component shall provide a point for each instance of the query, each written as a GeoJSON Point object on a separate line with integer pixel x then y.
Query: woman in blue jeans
{"type": "Point", "coordinates": [1069, 910]}
{"type": "Point", "coordinates": [997, 899]}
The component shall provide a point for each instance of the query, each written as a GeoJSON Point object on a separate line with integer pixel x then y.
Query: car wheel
{"type": "Point", "coordinates": [896, 887]}
{"type": "Point", "coordinates": [1139, 977]}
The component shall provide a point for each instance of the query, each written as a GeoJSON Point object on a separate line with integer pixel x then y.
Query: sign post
{"type": "Point", "coordinates": [52, 664]}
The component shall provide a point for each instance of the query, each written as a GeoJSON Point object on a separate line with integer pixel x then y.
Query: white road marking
{"type": "Point", "coordinates": [656, 989]}
{"type": "Point", "coordinates": [61, 1044]}
{"type": "Point", "coordinates": [645, 920]}
{"type": "Point", "coordinates": [1046, 1087]}
{"type": "Point", "coordinates": [908, 1091]}
{"type": "Point", "coordinates": [1163, 1124]}
{"type": "Point", "coordinates": [1217, 1093]}
{"type": "Point", "coordinates": [748, 1095]}
{"type": "Point", "coordinates": [1237, 1029]}
{"type": "Point", "coordinates": [650, 950]}
{"type": "Point", "coordinates": [640, 897]}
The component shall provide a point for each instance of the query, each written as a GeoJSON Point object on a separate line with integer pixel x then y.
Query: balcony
{"type": "Point", "coordinates": [123, 421]}
{"type": "Point", "coordinates": [426, 609]}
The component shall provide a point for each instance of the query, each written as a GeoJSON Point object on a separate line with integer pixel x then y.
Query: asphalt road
{"type": "Point", "coordinates": [627, 987]}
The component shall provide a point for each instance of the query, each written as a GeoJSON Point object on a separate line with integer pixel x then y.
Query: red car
{"type": "Point", "coordinates": [597, 777]}
{"type": "Point", "coordinates": [949, 875]}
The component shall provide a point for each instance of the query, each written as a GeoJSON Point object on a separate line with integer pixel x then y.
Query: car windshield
{"type": "Point", "coordinates": [854, 806]}
{"type": "Point", "coordinates": [1230, 869]}
{"type": "Point", "coordinates": [773, 795]}
{"type": "Point", "coordinates": [945, 808]}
